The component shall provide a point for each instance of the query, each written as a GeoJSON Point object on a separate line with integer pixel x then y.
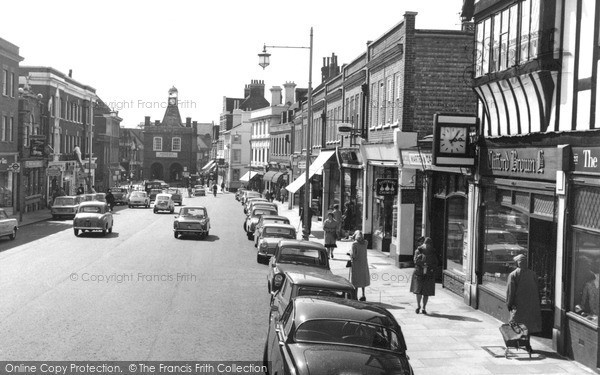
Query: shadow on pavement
{"type": "Point", "coordinates": [98, 235]}
{"type": "Point", "coordinates": [453, 317]}
{"type": "Point", "coordinates": [388, 306]}
{"type": "Point", "coordinates": [193, 237]}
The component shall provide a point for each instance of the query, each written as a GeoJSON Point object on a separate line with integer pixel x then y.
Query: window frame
{"type": "Point", "coordinates": [173, 143]}
{"type": "Point", "coordinates": [157, 144]}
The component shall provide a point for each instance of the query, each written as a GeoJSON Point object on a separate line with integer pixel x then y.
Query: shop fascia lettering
{"type": "Point", "coordinates": [509, 161]}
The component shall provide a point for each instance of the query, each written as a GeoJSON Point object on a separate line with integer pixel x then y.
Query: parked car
{"type": "Point", "coordinates": [138, 198]}
{"type": "Point", "coordinates": [93, 216]}
{"type": "Point", "coordinates": [176, 195]}
{"type": "Point", "coordinates": [275, 219]}
{"type": "Point", "coordinates": [192, 220]}
{"type": "Point", "coordinates": [249, 194]}
{"type": "Point", "coordinates": [199, 191]}
{"type": "Point", "coordinates": [8, 225]}
{"type": "Point", "coordinates": [328, 335]}
{"type": "Point", "coordinates": [120, 195]}
{"type": "Point", "coordinates": [100, 197]}
{"type": "Point", "coordinates": [153, 193]}
{"type": "Point", "coordinates": [88, 197]}
{"type": "Point", "coordinates": [270, 236]}
{"type": "Point", "coordinates": [295, 255]}
{"type": "Point", "coordinates": [65, 206]}
{"type": "Point", "coordinates": [254, 203]}
{"type": "Point", "coordinates": [254, 216]}
{"type": "Point", "coordinates": [164, 202]}
{"type": "Point", "coordinates": [253, 199]}
{"type": "Point", "coordinates": [310, 283]}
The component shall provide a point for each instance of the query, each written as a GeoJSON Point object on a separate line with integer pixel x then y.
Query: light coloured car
{"type": "Point", "coordinates": [253, 218]}
{"type": "Point", "coordinates": [138, 198]}
{"type": "Point", "coordinates": [65, 206]}
{"type": "Point", "coordinates": [164, 202]}
{"type": "Point", "coordinates": [270, 236]}
{"type": "Point", "coordinates": [8, 225]}
{"type": "Point", "coordinates": [93, 216]}
{"type": "Point", "coordinates": [199, 191]}
{"type": "Point", "coordinates": [192, 220]}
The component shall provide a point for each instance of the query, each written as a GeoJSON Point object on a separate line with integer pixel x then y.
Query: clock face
{"type": "Point", "coordinates": [453, 140]}
{"type": "Point", "coordinates": [172, 101]}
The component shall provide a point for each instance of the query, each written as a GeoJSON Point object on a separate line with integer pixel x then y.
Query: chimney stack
{"type": "Point", "coordinates": [275, 95]}
{"type": "Point", "coordinates": [156, 122]}
{"type": "Point", "coordinates": [70, 73]}
{"type": "Point", "coordinates": [188, 122]}
{"type": "Point", "coordinates": [290, 90]}
{"type": "Point", "coordinates": [147, 121]}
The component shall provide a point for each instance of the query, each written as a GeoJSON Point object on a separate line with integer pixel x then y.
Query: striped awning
{"type": "Point", "coordinates": [250, 175]}
{"type": "Point", "coordinates": [314, 167]}
{"type": "Point", "coordinates": [276, 176]}
{"type": "Point", "coordinates": [210, 165]}
{"type": "Point", "coordinates": [269, 175]}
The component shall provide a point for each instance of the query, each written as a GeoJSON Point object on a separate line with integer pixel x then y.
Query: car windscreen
{"type": "Point", "coordinates": [348, 332]}
{"type": "Point", "coordinates": [195, 212]}
{"type": "Point", "coordinates": [276, 221]}
{"type": "Point", "coordinates": [302, 255]}
{"type": "Point", "coordinates": [139, 194]}
{"type": "Point", "coordinates": [313, 291]}
{"type": "Point", "coordinates": [279, 232]}
{"type": "Point", "coordinates": [64, 201]}
{"type": "Point", "coordinates": [91, 209]}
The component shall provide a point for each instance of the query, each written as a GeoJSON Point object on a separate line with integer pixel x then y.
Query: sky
{"type": "Point", "coordinates": [132, 52]}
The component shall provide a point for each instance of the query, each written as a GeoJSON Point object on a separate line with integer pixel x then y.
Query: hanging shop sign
{"type": "Point", "coordinates": [386, 186]}
{"type": "Point", "coordinates": [532, 163]}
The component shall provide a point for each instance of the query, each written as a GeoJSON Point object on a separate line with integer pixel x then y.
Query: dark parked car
{"type": "Point", "coordinates": [295, 255]}
{"type": "Point", "coordinates": [270, 236]}
{"type": "Point", "coordinates": [153, 193]}
{"type": "Point", "coordinates": [325, 335]}
{"type": "Point", "coordinates": [120, 195]}
{"type": "Point", "coordinates": [192, 220]}
{"type": "Point", "coordinates": [310, 283]}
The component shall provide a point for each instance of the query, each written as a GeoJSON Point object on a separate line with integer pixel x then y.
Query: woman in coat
{"type": "Point", "coordinates": [360, 267]}
{"type": "Point", "coordinates": [423, 279]}
{"type": "Point", "coordinates": [330, 227]}
{"type": "Point", "coordinates": [522, 296]}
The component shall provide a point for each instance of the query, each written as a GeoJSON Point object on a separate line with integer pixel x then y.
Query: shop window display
{"type": "Point", "coordinates": [586, 275]}
{"type": "Point", "coordinates": [456, 232]}
{"type": "Point", "coordinates": [505, 237]}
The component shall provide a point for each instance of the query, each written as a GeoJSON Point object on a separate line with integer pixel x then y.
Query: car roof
{"type": "Point", "coordinates": [275, 217]}
{"type": "Point", "coordinates": [92, 203]}
{"type": "Point", "coordinates": [319, 278]}
{"type": "Point", "coordinates": [302, 243]}
{"type": "Point", "coordinates": [195, 207]}
{"type": "Point", "coordinates": [278, 225]}
{"type": "Point", "coordinates": [320, 307]}
{"type": "Point", "coordinates": [163, 195]}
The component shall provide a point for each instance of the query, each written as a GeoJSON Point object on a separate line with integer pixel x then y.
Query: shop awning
{"type": "Point", "coordinates": [269, 175]}
{"type": "Point", "coordinates": [314, 167]}
{"type": "Point", "coordinates": [276, 176]}
{"type": "Point", "coordinates": [249, 176]}
{"type": "Point", "coordinates": [210, 165]}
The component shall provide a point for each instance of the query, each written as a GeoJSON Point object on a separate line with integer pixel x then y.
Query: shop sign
{"type": "Point", "coordinates": [386, 186]}
{"type": "Point", "coordinates": [302, 164]}
{"type": "Point", "coordinates": [586, 159]}
{"type": "Point", "coordinates": [416, 159]}
{"type": "Point", "coordinates": [534, 163]}
{"type": "Point", "coordinates": [34, 163]}
{"type": "Point", "coordinates": [162, 154]}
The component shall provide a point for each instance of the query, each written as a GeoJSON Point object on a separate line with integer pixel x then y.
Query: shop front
{"type": "Point", "coordinates": [517, 215]}
{"type": "Point", "coordinates": [351, 199]}
{"type": "Point", "coordinates": [34, 184]}
{"type": "Point", "coordinates": [7, 182]}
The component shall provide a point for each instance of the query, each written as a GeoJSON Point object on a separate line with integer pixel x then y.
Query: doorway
{"type": "Point", "coordinates": [542, 249]}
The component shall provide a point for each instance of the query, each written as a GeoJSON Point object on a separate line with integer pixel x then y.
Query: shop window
{"type": "Point", "coordinates": [505, 236]}
{"type": "Point", "coordinates": [586, 275]}
{"type": "Point", "coordinates": [456, 231]}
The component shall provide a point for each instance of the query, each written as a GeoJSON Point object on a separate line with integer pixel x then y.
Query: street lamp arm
{"type": "Point", "coordinates": [297, 47]}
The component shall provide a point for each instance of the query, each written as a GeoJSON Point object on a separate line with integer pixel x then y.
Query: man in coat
{"type": "Point", "coordinates": [522, 296]}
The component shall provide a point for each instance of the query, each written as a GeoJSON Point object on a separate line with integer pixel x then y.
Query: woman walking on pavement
{"type": "Point", "coordinates": [330, 226]}
{"type": "Point", "coordinates": [360, 277]}
{"type": "Point", "coordinates": [423, 279]}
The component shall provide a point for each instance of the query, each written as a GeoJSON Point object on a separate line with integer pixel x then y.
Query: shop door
{"type": "Point", "coordinates": [542, 249]}
{"type": "Point", "coordinates": [438, 230]}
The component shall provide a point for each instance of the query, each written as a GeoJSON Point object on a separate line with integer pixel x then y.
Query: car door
{"type": "Point", "coordinates": [4, 223]}
{"type": "Point", "coordinates": [276, 347]}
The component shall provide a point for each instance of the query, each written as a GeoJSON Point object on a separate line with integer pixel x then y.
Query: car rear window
{"type": "Point", "coordinates": [196, 212]}
{"type": "Point", "coordinates": [162, 198]}
{"type": "Point", "coordinates": [91, 209]}
{"type": "Point", "coordinates": [64, 201]}
{"type": "Point", "coordinates": [263, 212]}
{"type": "Point", "coordinates": [140, 194]}
{"type": "Point", "coordinates": [306, 291]}
{"type": "Point", "coordinates": [278, 232]}
{"type": "Point", "coordinates": [302, 255]}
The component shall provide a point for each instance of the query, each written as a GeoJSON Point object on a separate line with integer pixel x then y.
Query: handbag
{"type": "Point", "coordinates": [349, 264]}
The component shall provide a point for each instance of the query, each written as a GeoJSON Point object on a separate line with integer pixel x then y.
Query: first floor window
{"type": "Point", "coordinates": [176, 144]}
{"type": "Point", "coordinates": [3, 129]}
{"type": "Point", "coordinates": [157, 144]}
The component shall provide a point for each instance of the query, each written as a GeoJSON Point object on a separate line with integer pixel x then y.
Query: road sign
{"type": "Point", "coordinates": [16, 167]}
{"type": "Point", "coordinates": [302, 164]}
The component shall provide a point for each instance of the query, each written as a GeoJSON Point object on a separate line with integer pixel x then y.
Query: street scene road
{"type": "Point", "coordinates": [137, 293]}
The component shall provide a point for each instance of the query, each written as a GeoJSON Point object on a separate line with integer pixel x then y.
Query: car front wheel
{"type": "Point", "coordinates": [176, 234]}
{"type": "Point", "coordinates": [14, 234]}
{"type": "Point", "coordinates": [76, 232]}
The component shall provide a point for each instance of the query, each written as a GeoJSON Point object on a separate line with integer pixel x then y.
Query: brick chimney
{"type": "Point", "coordinates": [257, 88]}
{"type": "Point", "coordinates": [156, 122]}
{"type": "Point", "coordinates": [188, 122]}
{"type": "Point", "coordinates": [147, 121]}
{"type": "Point", "coordinates": [275, 95]}
{"type": "Point", "coordinates": [290, 91]}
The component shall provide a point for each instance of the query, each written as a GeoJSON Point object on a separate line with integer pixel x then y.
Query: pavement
{"type": "Point", "coordinates": [453, 338]}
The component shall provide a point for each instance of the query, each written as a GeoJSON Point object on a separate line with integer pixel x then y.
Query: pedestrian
{"type": "Point", "coordinates": [110, 199]}
{"type": "Point", "coordinates": [423, 278]}
{"type": "Point", "coordinates": [269, 195]}
{"type": "Point", "coordinates": [80, 189]}
{"type": "Point", "coordinates": [308, 225]}
{"type": "Point", "coordinates": [330, 226]}
{"type": "Point", "coordinates": [522, 297]}
{"type": "Point", "coordinates": [360, 276]}
{"type": "Point", "coordinates": [337, 216]}
{"type": "Point", "coordinates": [282, 194]}
{"type": "Point", "coordinates": [348, 218]}
{"type": "Point", "coordinates": [223, 187]}
{"type": "Point", "coordinates": [214, 189]}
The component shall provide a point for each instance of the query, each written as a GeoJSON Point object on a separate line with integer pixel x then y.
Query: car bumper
{"type": "Point", "coordinates": [88, 228]}
{"type": "Point", "coordinates": [190, 230]}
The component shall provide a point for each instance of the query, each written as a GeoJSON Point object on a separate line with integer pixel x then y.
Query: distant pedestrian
{"type": "Point", "coordinates": [330, 226]}
{"type": "Point", "coordinates": [80, 189]}
{"type": "Point", "coordinates": [522, 297]}
{"type": "Point", "coordinates": [269, 195]}
{"type": "Point", "coordinates": [348, 218]}
{"type": "Point", "coordinates": [110, 199]}
{"type": "Point", "coordinates": [282, 194]}
{"type": "Point", "coordinates": [223, 187]}
{"type": "Point", "coordinates": [214, 189]}
{"type": "Point", "coordinates": [423, 278]}
{"type": "Point", "coordinates": [337, 216]}
{"type": "Point", "coordinates": [360, 276]}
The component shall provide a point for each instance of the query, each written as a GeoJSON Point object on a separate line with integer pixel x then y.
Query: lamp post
{"type": "Point", "coordinates": [264, 62]}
